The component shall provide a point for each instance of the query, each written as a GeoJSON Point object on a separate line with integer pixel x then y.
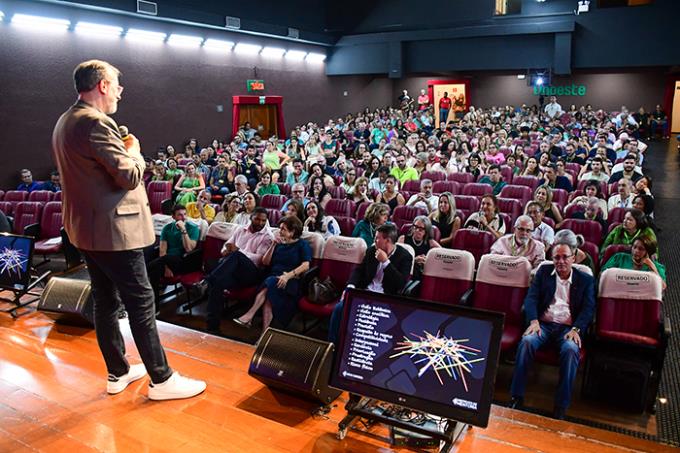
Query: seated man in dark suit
{"type": "Point", "coordinates": [559, 307]}
{"type": "Point", "coordinates": [385, 269]}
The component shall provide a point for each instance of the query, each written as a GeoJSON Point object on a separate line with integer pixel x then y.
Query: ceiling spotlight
{"type": "Point", "coordinates": [92, 29]}
{"type": "Point", "coordinates": [315, 57]}
{"type": "Point", "coordinates": [218, 44]}
{"type": "Point", "coordinates": [145, 35]}
{"type": "Point", "coordinates": [539, 81]}
{"type": "Point", "coordinates": [185, 40]}
{"type": "Point", "coordinates": [40, 23]}
{"type": "Point", "coordinates": [275, 52]}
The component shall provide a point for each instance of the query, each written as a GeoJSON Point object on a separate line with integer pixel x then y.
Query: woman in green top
{"type": "Point", "coordinates": [274, 159]}
{"type": "Point", "coordinates": [634, 225]}
{"type": "Point", "coordinates": [172, 170]}
{"type": "Point", "coordinates": [376, 215]}
{"type": "Point", "coordinates": [639, 258]}
{"type": "Point", "coordinates": [266, 186]}
{"type": "Point", "coordinates": [189, 185]}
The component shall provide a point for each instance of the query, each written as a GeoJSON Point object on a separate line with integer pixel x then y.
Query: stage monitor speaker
{"type": "Point", "coordinates": [294, 364]}
{"type": "Point", "coordinates": [68, 301]}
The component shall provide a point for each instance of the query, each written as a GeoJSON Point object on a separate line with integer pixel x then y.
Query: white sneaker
{"type": "Point", "coordinates": [176, 387]}
{"type": "Point", "coordinates": [118, 384]}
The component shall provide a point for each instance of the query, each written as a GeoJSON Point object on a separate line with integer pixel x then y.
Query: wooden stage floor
{"type": "Point", "coordinates": [53, 399]}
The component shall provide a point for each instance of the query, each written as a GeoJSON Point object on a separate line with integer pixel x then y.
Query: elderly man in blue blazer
{"type": "Point", "coordinates": [558, 307]}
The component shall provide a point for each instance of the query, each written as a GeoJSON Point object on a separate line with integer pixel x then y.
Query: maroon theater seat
{"type": "Point", "coordinates": [590, 229]}
{"type": "Point", "coordinates": [474, 241]}
{"type": "Point", "coordinates": [340, 256]}
{"type": "Point", "coordinates": [158, 192]}
{"type": "Point", "coordinates": [511, 207]}
{"type": "Point", "coordinates": [502, 284]}
{"type": "Point", "coordinates": [529, 181]}
{"type": "Point", "coordinates": [434, 176]}
{"type": "Point", "coordinates": [447, 275]}
{"type": "Point", "coordinates": [477, 189]}
{"type": "Point", "coordinates": [41, 195]}
{"type": "Point", "coordinates": [27, 213]}
{"type": "Point", "coordinates": [446, 186]}
{"type": "Point", "coordinates": [521, 193]}
{"type": "Point", "coordinates": [340, 208]}
{"type": "Point", "coordinates": [271, 201]}
{"type": "Point", "coordinates": [50, 229]}
{"type": "Point", "coordinates": [406, 214]}
{"type": "Point", "coordinates": [462, 178]}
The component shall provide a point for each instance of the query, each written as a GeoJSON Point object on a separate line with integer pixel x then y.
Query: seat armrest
{"type": "Point", "coordinates": [666, 327]}
{"type": "Point", "coordinates": [468, 297]}
{"type": "Point", "coordinates": [412, 288]}
{"type": "Point", "coordinates": [32, 230]}
{"type": "Point", "coordinates": [307, 277]}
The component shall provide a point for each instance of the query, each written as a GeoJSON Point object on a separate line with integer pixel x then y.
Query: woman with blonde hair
{"type": "Point", "coordinates": [445, 219]}
{"type": "Point", "coordinates": [543, 195]}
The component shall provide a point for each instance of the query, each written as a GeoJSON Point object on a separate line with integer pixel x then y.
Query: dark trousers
{"type": "Point", "coordinates": [235, 270]}
{"type": "Point", "coordinates": [156, 270]}
{"type": "Point", "coordinates": [121, 277]}
{"type": "Point", "coordinates": [569, 361]}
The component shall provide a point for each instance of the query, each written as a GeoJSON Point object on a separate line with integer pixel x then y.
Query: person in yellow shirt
{"type": "Point", "coordinates": [201, 208]}
{"type": "Point", "coordinates": [402, 172]}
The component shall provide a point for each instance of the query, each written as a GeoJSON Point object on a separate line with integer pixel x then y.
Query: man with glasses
{"type": "Point", "coordinates": [542, 231]}
{"type": "Point", "coordinates": [520, 243]}
{"type": "Point", "coordinates": [402, 172]}
{"type": "Point", "coordinates": [559, 307]}
{"type": "Point", "coordinates": [107, 217]}
{"type": "Point", "coordinates": [425, 199]}
{"type": "Point", "coordinates": [297, 193]}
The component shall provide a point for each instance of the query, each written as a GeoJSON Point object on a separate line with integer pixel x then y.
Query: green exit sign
{"type": "Point", "coordinates": [255, 85]}
{"type": "Point", "coordinates": [561, 90]}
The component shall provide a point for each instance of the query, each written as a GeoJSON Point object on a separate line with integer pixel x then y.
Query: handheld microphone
{"type": "Point", "coordinates": [124, 132]}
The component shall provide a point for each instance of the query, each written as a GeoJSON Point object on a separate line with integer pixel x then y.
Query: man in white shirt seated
{"type": "Point", "coordinates": [542, 231]}
{"type": "Point", "coordinates": [379, 182]}
{"type": "Point", "coordinates": [241, 266]}
{"type": "Point", "coordinates": [520, 243]}
{"type": "Point", "coordinates": [625, 196]}
{"type": "Point", "coordinates": [559, 307]}
{"type": "Point", "coordinates": [425, 199]}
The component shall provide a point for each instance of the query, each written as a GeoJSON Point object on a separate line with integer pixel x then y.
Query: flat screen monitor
{"type": "Point", "coordinates": [16, 254]}
{"type": "Point", "coordinates": [435, 358]}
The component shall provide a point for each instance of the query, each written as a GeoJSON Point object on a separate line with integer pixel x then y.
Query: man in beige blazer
{"type": "Point", "coordinates": [107, 217]}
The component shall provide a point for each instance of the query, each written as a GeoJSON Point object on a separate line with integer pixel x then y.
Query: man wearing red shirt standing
{"type": "Point", "coordinates": [444, 108]}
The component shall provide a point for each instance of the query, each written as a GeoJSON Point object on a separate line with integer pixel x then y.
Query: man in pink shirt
{"type": "Point", "coordinates": [520, 243]}
{"type": "Point", "coordinates": [241, 265]}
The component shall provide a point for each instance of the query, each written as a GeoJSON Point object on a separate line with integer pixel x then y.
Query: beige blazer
{"type": "Point", "coordinates": [104, 202]}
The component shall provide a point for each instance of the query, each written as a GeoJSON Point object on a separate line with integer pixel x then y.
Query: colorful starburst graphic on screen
{"type": "Point", "coordinates": [12, 261]}
{"type": "Point", "coordinates": [441, 355]}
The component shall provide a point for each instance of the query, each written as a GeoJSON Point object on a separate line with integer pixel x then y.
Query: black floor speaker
{"type": "Point", "coordinates": [295, 364]}
{"type": "Point", "coordinates": [68, 301]}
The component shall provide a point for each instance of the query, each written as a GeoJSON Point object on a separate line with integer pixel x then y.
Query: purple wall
{"type": "Point", "coordinates": [608, 91]}
{"type": "Point", "coordinates": [170, 94]}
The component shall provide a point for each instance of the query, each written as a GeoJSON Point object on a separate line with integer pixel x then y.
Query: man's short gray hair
{"type": "Point", "coordinates": [241, 179]}
{"type": "Point", "coordinates": [424, 182]}
{"type": "Point", "coordinates": [523, 218]}
{"type": "Point", "coordinates": [568, 238]}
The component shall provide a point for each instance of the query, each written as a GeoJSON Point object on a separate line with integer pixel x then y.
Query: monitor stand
{"type": "Point", "coordinates": [20, 292]}
{"type": "Point", "coordinates": [402, 432]}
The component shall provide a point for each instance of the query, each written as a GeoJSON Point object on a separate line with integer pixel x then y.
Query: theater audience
{"type": "Point", "coordinates": [201, 208]}
{"type": "Point", "coordinates": [231, 206]}
{"type": "Point", "coordinates": [173, 173]}
{"type": "Point", "coordinates": [250, 202]}
{"type": "Point", "coordinates": [27, 184]}
{"type": "Point", "coordinates": [266, 186]}
{"type": "Point", "coordinates": [634, 225]}
{"type": "Point", "coordinates": [591, 189]}
{"type": "Point", "coordinates": [288, 258]}
{"type": "Point", "coordinates": [390, 195]}
{"type": "Point", "coordinates": [318, 221]}
{"type": "Point", "coordinates": [487, 219]}
{"type": "Point", "coordinates": [375, 216]}
{"type": "Point", "coordinates": [640, 258]}
{"type": "Point", "coordinates": [624, 196]}
{"type": "Point", "coordinates": [241, 265]}
{"type": "Point", "coordinates": [421, 238]}
{"type": "Point", "coordinates": [221, 180]}
{"type": "Point", "coordinates": [445, 218]}
{"type": "Point", "coordinates": [189, 185]}
{"type": "Point", "coordinates": [295, 208]}
{"type": "Point", "coordinates": [520, 243]}
{"type": "Point", "coordinates": [543, 196]}
{"type": "Point", "coordinates": [494, 178]}
{"type": "Point", "coordinates": [178, 238]}
{"type": "Point", "coordinates": [425, 199]}
{"type": "Point", "coordinates": [54, 183]}
{"type": "Point", "coordinates": [593, 211]}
